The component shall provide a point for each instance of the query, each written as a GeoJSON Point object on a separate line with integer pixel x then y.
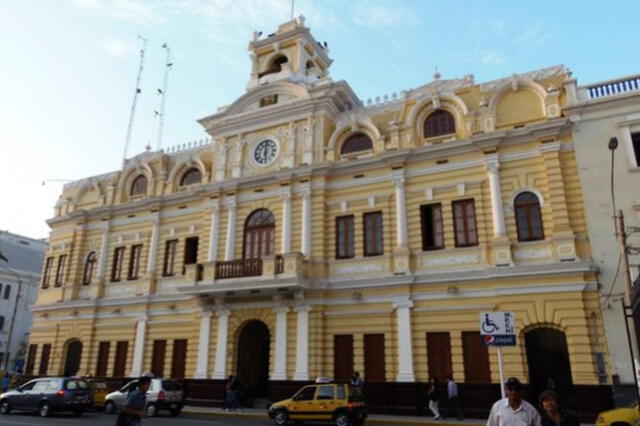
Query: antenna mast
{"type": "Point", "coordinates": [292, 3]}
{"type": "Point", "coordinates": [135, 98]}
{"type": "Point", "coordinates": [163, 93]}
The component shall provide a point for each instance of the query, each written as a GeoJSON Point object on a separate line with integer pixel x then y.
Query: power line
{"type": "Point", "coordinates": [135, 99]}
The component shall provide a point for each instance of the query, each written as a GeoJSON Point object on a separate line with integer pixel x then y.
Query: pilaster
{"type": "Point", "coordinates": [405, 348]}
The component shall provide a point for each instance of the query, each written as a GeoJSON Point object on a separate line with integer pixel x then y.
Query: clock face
{"type": "Point", "coordinates": [265, 152]}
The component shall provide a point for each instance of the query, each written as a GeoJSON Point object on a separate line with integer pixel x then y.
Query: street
{"type": "Point", "coordinates": [101, 419]}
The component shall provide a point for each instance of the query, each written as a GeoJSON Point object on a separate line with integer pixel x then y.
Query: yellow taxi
{"type": "Point", "coordinates": [623, 416]}
{"type": "Point", "coordinates": [100, 391]}
{"type": "Point", "coordinates": [334, 402]}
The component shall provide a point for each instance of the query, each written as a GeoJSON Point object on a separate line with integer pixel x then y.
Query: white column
{"type": "Point", "coordinates": [153, 250]}
{"type": "Point", "coordinates": [306, 221]}
{"type": "Point", "coordinates": [220, 369]}
{"type": "Point", "coordinates": [104, 246]}
{"type": "Point", "coordinates": [497, 212]}
{"type": "Point", "coordinates": [213, 232]}
{"type": "Point", "coordinates": [405, 348]}
{"type": "Point", "coordinates": [286, 220]}
{"type": "Point", "coordinates": [231, 229]}
{"type": "Point", "coordinates": [138, 350]}
{"type": "Point", "coordinates": [280, 368]}
{"type": "Point", "coordinates": [401, 213]}
{"type": "Point", "coordinates": [202, 366]}
{"type": "Point", "coordinates": [302, 344]}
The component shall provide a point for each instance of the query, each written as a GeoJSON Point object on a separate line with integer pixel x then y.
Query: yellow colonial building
{"type": "Point", "coordinates": [315, 234]}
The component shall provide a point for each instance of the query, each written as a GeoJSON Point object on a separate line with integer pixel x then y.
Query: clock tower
{"type": "Point", "coordinates": [289, 54]}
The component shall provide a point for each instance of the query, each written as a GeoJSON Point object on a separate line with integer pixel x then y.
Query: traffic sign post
{"type": "Point", "coordinates": [498, 329]}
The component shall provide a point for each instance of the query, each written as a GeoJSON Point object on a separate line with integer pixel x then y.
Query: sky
{"type": "Point", "coordinates": [68, 68]}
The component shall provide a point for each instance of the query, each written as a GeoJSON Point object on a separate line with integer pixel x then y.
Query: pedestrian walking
{"type": "Point", "coordinates": [232, 398]}
{"type": "Point", "coordinates": [433, 395]}
{"type": "Point", "coordinates": [454, 400]}
{"type": "Point", "coordinates": [6, 381]}
{"type": "Point", "coordinates": [552, 413]}
{"type": "Point", "coordinates": [513, 410]}
{"type": "Point", "coordinates": [135, 408]}
{"type": "Point", "coordinates": [356, 383]}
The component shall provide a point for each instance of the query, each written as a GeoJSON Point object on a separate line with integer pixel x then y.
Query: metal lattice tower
{"type": "Point", "coordinates": [163, 94]}
{"type": "Point", "coordinates": [135, 99]}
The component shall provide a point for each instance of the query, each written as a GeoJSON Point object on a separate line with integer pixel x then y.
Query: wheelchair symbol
{"type": "Point", "coordinates": [489, 326]}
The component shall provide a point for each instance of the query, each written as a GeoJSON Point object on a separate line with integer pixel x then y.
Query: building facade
{"type": "Point", "coordinates": [317, 235]}
{"type": "Point", "coordinates": [19, 284]}
{"type": "Point", "coordinates": [599, 112]}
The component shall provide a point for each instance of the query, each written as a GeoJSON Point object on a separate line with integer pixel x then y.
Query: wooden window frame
{"type": "Point", "coordinates": [261, 226]}
{"type": "Point", "coordinates": [89, 265]}
{"type": "Point", "coordinates": [31, 359]}
{"type": "Point", "coordinates": [436, 225]}
{"type": "Point", "coordinates": [158, 357]}
{"type": "Point", "coordinates": [528, 207]}
{"type": "Point", "coordinates": [169, 264]}
{"type": "Point", "coordinates": [102, 361]}
{"type": "Point", "coordinates": [439, 123]}
{"type": "Point", "coordinates": [466, 230]}
{"type": "Point", "coordinates": [635, 146]}
{"type": "Point", "coordinates": [120, 359]}
{"type": "Point", "coordinates": [48, 266]}
{"type": "Point", "coordinates": [116, 267]}
{"type": "Point", "coordinates": [187, 180]}
{"type": "Point", "coordinates": [437, 366]}
{"type": "Point", "coordinates": [62, 260]}
{"type": "Point", "coordinates": [374, 356]}
{"type": "Point", "coordinates": [348, 235]}
{"type": "Point", "coordinates": [179, 361]}
{"type": "Point", "coordinates": [477, 366]}
{"type": "Point", "coordinates": [374, 247]}
{"type": "Point", "coordinates": [45, 357]}
{"type": "Point", "coordinates": [355, 143]}
{"type": "Point", "coordinates": [138, 189]}
{"type": "Point", "coordinates": [134, 262]}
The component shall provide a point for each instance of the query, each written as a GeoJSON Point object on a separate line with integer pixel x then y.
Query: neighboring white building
{"type": "Point", "coordinates": [599, 112]}
{"type": "Point", "coordinates": [23, 268]}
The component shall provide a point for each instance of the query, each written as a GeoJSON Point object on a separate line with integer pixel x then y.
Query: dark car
{"type": "Point", "coordinates": [48, 394]}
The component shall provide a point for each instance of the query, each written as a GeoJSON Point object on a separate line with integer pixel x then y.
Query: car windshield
{"type": "Point", "coordinates": [76, 384]}
{"type": "Point", "coordinates": [170, 385]}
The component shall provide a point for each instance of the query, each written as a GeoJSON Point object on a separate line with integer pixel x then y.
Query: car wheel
{"type": "Point", "coordinates": [5, 407]}
{"type": "Point", "coordinates": [109, 407]}
{"type": "Point", "coordinates": [281, 417]}
{"type": "Point", "coordinates": [342, 419]}
{"type": "Point", "coordinates": [152, 411]}
{"type": "Point", "coordinates": [44, 409]}
{"type": "Point", "coordinates": [176, 412]}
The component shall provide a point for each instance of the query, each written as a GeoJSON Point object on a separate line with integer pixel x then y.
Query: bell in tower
{"type": "Point", "coordinates": [291, 54]}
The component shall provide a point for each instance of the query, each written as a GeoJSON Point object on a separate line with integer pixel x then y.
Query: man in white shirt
{"type": "Point", "coordinates": [454, 401]}
{"type": "Point", "coordinates": [513, 410]}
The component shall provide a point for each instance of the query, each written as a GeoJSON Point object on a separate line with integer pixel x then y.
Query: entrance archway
{"type": "Point", "coordinates": [549, 366]}
{"type": "Point", "coordinates": [253, 358]}
{"type": "Point", "coordinates": [73, 357]}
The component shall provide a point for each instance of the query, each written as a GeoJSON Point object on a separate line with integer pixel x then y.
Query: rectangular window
{"type": "Point", "coordinates": [44, 359]}
{"type": "Point", "coordinates": [46, 277]}
{"type": "Point", "coordinates": [169, 257]}
{"type": "Point", "coordinates": [179, 358]}
{"type": "Point", "coordinates": [62, 259]}
{"type": "Point", "coordinates": [432, 234]}
{"type": "Point", "coordinates": [374, 363]}
{"type": "Point", "coordinates": [134, 262]}
{"type": "Point", "coordinates": [476, 358]}
{"type": "Point", "coordinates": [190, 252]}
{"type": "Point", "coordinates": [635, 140]}
{"type": "Point", "coordinates": [439, 355]}
{"type": "Point", "coordinates": [116, 269]}
{"type": "Point", "coordinates": [31, 359]}
{"type": "Point", "coordinates": [373, 234]}
{"type": "Point", "coordinates": [103, 359]}
{"type": "Point", "coordinates": [342, 357]}
{"type": "Point", "coordinates": [120, 361]}
{"type": "Point", "coordinates": [344, 237]}
{"type": "Point", "coordinates": [464, 223]}
{"type": "Point", "coordinates": [157, 357]}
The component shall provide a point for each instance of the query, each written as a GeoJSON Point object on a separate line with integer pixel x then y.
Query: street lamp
{"type": "Point", "coordinates": [15, 310]}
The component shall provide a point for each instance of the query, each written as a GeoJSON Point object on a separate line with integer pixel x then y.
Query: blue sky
{"type": "Point", "coordinates": [68, 67]}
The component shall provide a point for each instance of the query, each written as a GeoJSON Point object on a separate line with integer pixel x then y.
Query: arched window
{"type": "Point", "coordinates": [139, 186]}
{"type": "Point", "coordinates": [88, 268]}
{"type": "Point", "coordinates": [439, 123]}
{"type": "Point", "coordinates": [1, 323]}
{"type": "Point", "coordinates": [259, 234]}
{"type": "Point", "coordinates": [528, 217]}
{"type": "Point", "coordinates": [356, 142]}
{"type": "Point", "coordinates": [276, 65]}
{"type": "Point", "coordinates": [191, 176]}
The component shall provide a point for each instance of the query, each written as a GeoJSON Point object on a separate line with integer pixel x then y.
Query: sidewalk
{"type": "Point", "coordinates": [372, 418]}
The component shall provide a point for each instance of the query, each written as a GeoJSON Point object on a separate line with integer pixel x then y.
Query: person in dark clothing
{"type": "Point", "coordinates": [552, 414]}
{"type": "Point", "coordinates": [454, 400]}
{"type": "Point", "coordinates": [433, 395]}
{"type": "Point", "coordinates": [135, 408]}
{"type": "Point", "coordinates": [232, 399]}
{"type": "Point", "coordinates": [356, 383]}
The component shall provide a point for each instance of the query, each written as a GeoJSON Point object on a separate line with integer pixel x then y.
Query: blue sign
{"type": "Point", "coordinates": [500, 340]}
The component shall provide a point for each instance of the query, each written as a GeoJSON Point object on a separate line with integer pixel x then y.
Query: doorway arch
{"type": "Point", "coordinates": [549, 366]}
{"type": "Point", "coordinates": [72, 358]}
{"type": "Point", "coordinates": [254, 340]}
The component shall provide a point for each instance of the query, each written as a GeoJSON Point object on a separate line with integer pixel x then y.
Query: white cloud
{"type": "Point", "coordinates": [85, 4]}
{"type": "Point", "coordinates": [533, 35]}
{"type": "Point", "coordinates": [368, 14]}
{"type": "Point", "coordinates": [491, 57]}
{"type": "Point", "coordinates": [137, 11]}
{"type": "Point", "coordinates": [116, 48]}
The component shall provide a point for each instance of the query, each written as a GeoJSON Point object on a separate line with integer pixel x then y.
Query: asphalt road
{"type": "Point", "coordinates": [101, 419]}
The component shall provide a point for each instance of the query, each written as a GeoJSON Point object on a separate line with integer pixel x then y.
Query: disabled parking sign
{"type": "Point", "coordinates": [498, 328]}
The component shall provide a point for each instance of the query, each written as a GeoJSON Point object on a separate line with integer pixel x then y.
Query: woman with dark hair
{"type": "Point", "coordinates": [433, 395]}
{"type": "Point", "coordinates": [552, 414]}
